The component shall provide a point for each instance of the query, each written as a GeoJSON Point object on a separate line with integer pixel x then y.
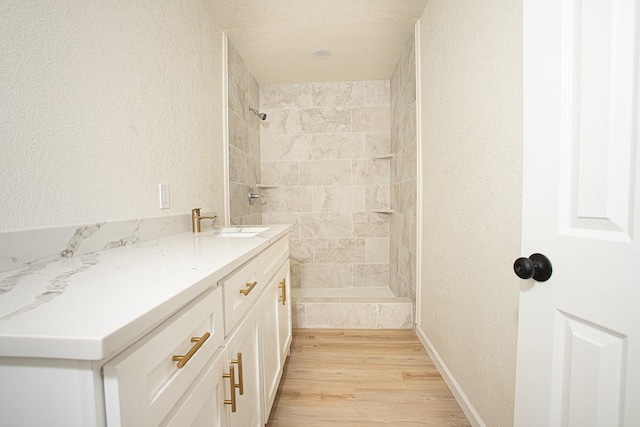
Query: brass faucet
{"type": "Point", "coordinates": [196, 218]}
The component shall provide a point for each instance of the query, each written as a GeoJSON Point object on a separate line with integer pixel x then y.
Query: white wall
{"type": "Point", "coordinates": [102, 101]}
{"type": "Point", "coordinates": [471, 79]}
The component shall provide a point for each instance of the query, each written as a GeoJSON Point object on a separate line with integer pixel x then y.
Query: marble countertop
{"type": "Point", "coordinates": [92, 306]}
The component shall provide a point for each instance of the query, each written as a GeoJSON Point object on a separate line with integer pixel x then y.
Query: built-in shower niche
{"type": "Point", "coordinates": [350, 308]}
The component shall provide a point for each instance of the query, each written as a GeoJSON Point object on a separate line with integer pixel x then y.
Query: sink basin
{"type": "Point", "coordinates": [239, 231]}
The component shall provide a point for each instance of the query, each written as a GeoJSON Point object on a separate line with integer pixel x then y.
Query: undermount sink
{"type": "Point", "coordinates": [239, 231]}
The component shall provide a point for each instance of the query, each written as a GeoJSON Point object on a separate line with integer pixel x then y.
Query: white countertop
{"type": "Point", "coordinates": [91, 307]}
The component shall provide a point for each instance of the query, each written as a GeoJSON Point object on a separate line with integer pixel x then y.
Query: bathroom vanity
{"type": "Point", "coordinates": [188, 330]}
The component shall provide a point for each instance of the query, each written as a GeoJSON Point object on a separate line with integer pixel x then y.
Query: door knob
{"type": "Point", "coordinates": [537, 266]}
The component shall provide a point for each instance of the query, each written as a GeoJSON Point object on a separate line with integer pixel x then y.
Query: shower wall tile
{"type": "Point", "coordinates": [280, 122]}
{"type": "Point", "coordinates": [338, 94]}
{"type": "Point", "coordinates": [377, 197]}
{"type": "Point", "coordinates": [237, 68]}
{"type": "Point", "coordinates": [371, 172]}
{"type": "Point", "coordinates": [328, 180]}
{"type": "Point", "coordinates": [239, 192]}
{"type": "Point", "coordinates": [286, 96]}
{"type": "Point", "coordinates": [377, 92]}
{"type": "Point", "coordinates": [238, 132]}
{"type": "Point", "coordinates": [301, 250]}
{"type": "Point", "coordinates": [253, 149]}
{"type": "Point", "coordinates": [238, 99]}
{"type": "Point", "coordinates": [281, 173]}
{"type": "Point", "coordinates": [326, 225]}
{"type": "Point", "coordinates": [371, 275]}
{"type": "Point", "coordinates": [287, 199]}
{"type": "Point", "coordinates": [337, 146]}
{"type": "Point", "coordinates": [339, 251]}
{"type": "Point", "coordinates": [376, 251]}
{"type": "Point", "coordinates": [283, 218]}
{"type": "Point", "coordinates": [237, 165]}
{"type": "Point", "coordinates": [339, 198]}
{"type": "Point", "coordinates": [376, 144]}
{"type": "Point", "coordinates": [326, 276]}
{"type": "Point", "coordinates": [253, 172]}
{"type": "Point", "coordinates": [285, 147]}
{"type": "Point", "coordinates": [370, 119]}
{"type": "Point", "coordinates": [244, 140]}
{"type": "Point", "coordinates": [325, 120]}
{"type": "Point", "coordinates": [325, 172]}
{"type": "Point", "coordinates": [409, 233]}
{"type": "Point", "coordinates": [254, 95]}
{"type": "Point", "coordinates": [403, 184]}
{"type": "Point", "coordinates": [369, 224]}
{"type": "Point", "coordinates": [295, 275]}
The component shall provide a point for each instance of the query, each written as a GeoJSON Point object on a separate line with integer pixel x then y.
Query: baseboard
{"type": "Point", "coordinates": [453, 385]}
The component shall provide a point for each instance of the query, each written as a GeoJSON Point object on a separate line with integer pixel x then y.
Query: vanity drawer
{"type": "Point", "coordinates": [144, 383]}
{"type": "Point", "coordinates": [273, 257]}
{"type": "Point", "coordinates": [241, 289]}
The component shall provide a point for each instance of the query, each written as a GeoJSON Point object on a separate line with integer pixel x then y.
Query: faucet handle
{"type": "Point", "coordinates": [195, 211]}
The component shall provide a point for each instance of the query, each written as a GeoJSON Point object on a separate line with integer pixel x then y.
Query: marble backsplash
{"type": "Point", "coordinates": [27, 248]}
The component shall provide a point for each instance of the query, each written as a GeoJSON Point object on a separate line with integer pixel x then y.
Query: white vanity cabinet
{"type": "Point", "coordinates": [204, 405]}
{"type": "Point", "coordinates": [275, 309]}
{"type": "Point", "coordinates": [146, 381]}
{"type": "Point", "coordinates": [215, 361]}
{"type": "Point", "coordinates": [243, 348]}
{"type": "Point", "coordinates": [253, 343]}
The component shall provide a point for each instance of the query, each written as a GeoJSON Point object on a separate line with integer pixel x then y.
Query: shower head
{"type": "Point", "coordinates": [261, 116]}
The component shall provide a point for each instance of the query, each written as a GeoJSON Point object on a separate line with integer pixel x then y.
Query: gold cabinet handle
{"type": "Point", "coordinates": [240, 384]}
{"type": "Point", "coordinates": [232, 382]}
{"type": "Point", "coordinates": [250, 287]}
{"type": "Point", "coordinates": [283, 286]}
{"type": "Point", "coordinates": [182, 360]}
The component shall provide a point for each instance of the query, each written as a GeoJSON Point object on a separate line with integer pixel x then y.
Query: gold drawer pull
{"type": "Point", "coordinates": [232, 382]}
{"type": "Point", "coordinates": [250, 287]}
{"type": "Point", "coordinates": [283, 286]}
{"type": "Point", "coordinates": [182, 360]}
{"type": "Point", "coordinates": [240, 384]}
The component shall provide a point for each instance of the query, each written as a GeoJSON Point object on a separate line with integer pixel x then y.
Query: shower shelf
{"type": "Point", "coordinates": [266, 186]}
{"type": "Point", "coordinates": [386, 156]}
{"type": "Point", "coordinates": [383, 211]}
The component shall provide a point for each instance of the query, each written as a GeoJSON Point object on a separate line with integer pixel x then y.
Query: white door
{"type": "Point", "coordinates": [579, 332]}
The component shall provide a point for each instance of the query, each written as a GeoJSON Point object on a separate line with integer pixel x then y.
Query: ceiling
{"type": "Point", "coordinates": [277, 37]}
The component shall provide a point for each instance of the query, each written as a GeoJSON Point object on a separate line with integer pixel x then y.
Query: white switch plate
{"type": "Point", "coordinates": [165, 199]}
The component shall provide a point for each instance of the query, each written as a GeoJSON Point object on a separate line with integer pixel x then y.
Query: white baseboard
{"type": "Point", "coordinates": [453, 385]}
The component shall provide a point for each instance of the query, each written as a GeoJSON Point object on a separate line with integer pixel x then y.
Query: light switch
{"type": "Point", "coordinates": [165, 201]}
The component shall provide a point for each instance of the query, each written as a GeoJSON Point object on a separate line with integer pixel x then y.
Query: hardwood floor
{"type": "Point", "coordinates": [362, 378]}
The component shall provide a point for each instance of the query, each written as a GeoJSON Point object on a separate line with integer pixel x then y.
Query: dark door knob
{"type": "Point", "coordinates": [537, 266]}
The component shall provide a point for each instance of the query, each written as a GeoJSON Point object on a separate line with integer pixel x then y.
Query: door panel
{"type": "Point", "coordinates": [601, 44]}
{"type": "Point", "coordinates": [579, 333]}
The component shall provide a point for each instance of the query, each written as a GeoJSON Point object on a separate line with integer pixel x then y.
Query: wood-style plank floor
{"type": "Point", "coordinates": [337, 377]}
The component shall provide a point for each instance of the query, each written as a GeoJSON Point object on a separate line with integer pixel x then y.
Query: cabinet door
{"type": "Point", "coordinates": [244, 341]}
{"type": "Point", "coordinates": [204, 405]}
{"type": "Point", "coordinates": [283, 279]}
{"type": "Point", "coordinates": [269, 344]}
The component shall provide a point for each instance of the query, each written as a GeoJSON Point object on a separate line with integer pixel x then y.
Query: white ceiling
{"type": "Point", "coordinates": [276, 37]}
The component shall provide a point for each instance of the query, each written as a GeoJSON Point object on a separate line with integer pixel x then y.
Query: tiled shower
{"type": "Point", "coordinates": [333, 159]}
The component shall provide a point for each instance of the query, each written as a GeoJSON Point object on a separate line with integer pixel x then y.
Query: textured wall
{"type": "Point", "coordinates": [402, 249]}
{"type": "Point", "coordinates": [471, 76]}
{"type": "Point", "coordinates": [244, 140]}
{"type": "Point", "coordinates": [318, 145]}
{"type": "Point", "coordinates": [102, 101]}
